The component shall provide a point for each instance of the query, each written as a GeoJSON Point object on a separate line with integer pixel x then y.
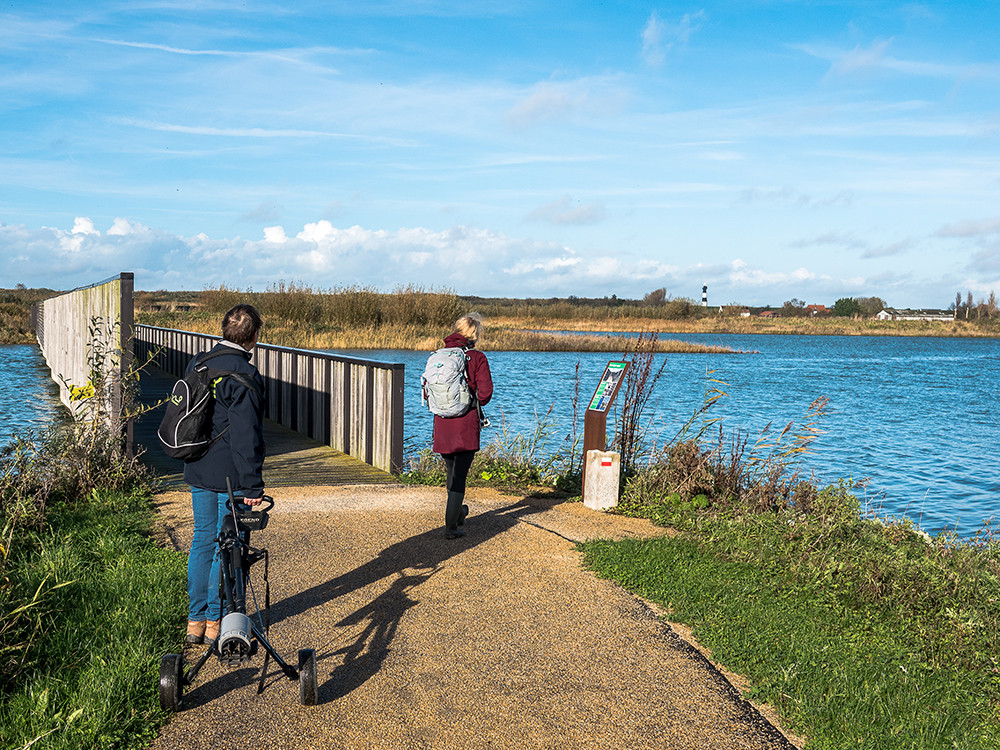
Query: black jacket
{"type": "Point", "coordinates": [239, 453]}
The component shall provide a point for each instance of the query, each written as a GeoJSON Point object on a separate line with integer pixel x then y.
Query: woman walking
{"type": "Point", "coordinates": [457, 438]}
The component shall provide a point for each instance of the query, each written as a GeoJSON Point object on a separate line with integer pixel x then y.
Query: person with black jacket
{"type": "Point", "coordinates": [237, 454]}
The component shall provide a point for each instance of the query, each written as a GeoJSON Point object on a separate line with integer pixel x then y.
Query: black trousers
{"type": "Point", "coordinates": [457, 468]}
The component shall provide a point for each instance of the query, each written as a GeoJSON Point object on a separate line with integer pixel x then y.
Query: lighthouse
{"type": "Point", "coordinates": [704, 296]}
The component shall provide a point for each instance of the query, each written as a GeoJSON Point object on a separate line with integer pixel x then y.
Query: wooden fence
{"type": "Point", "coordinates": [353, 405]}
{"type": "Point", "coordinates": [83, 331]}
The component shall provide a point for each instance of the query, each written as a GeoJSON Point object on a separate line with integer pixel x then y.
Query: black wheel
{"type": "Point", "coordinates": [308, 689]}
{"type": "Point", "coordinates": [171, 673]}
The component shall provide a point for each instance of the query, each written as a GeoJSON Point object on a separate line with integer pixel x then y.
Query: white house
{"type": "Point", "coordinates": [891, 313]}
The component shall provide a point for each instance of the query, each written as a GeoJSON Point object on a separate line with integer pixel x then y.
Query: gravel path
{"type": "Point", "coordinates": [496, 640]}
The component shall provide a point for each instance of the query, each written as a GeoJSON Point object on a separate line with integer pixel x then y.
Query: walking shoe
{"type": "Point", "coordinates": [212, 630]}
{"type": "Point", "coordinates": [462, 515]}
{"type": "Point", "coordinates": [454, 532]}
{"type": "Point", "coordinates": [195, 633]}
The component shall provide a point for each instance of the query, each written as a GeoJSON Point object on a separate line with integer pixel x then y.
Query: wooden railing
{"type": "Point", "coordinates": [84, 330]}
{"type": "Point", "coordinates": [353, 405]}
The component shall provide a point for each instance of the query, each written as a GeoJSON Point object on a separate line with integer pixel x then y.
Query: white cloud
{"type": "Point", "coordinates": [467, 260]}
{"type": "Point", "coordinates": [122, 227]}
{"type": "Point", "coordinates": [82, 225]}
{"type": "Point", "coordinates": [276, 235]}
{"type": "Point", "coordinates": [741, 273]}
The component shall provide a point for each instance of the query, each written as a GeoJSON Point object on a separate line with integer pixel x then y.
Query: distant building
{"type": "Point", "coordinates": [814, 310]}
{"type": "Point", "coordinates": [733, 311]}
{"type": "Point", "coordinates": [704, 296]}
{"type": "Point", "coordinates": [769, 314]}
{"type": "Point", "coordinates": [891, 313]}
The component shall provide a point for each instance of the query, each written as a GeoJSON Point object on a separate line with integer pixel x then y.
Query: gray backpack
{"type": "Point", "coordinates": [444, 383]}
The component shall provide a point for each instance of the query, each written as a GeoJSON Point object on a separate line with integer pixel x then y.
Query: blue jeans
{"type": "Point", "coordinates": [203, 561]}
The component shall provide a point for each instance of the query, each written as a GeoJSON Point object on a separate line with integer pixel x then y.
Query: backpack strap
{"type": "Point", "coordinates": [245, 380]}
{"type": "Point", "coordinates": [201, 359]}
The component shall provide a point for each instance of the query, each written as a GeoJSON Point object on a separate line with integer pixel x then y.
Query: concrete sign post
{"type": "Point", "coordinates": [595, 420]}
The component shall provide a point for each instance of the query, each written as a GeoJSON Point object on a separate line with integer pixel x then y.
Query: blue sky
{"type": "Point", "coordinates": [768, 149]}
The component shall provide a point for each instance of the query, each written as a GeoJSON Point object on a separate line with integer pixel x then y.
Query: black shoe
{"type": "Point", "coordinates": [454, 533]}
{"type": "Point", "coordinates": [462, 515]}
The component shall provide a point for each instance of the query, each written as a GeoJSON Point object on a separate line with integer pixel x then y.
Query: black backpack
{"type": "Point", "coordinates": [186, 428]}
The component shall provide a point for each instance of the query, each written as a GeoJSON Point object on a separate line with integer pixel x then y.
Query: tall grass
{"type": "Point", "coordinates": [360, 318]}
{"type": "Point", "coordinates": [80, 668]}
{"type": "Point", "coordinates": [511, 461]}
{"type": "Point", "coordinates": [861, 631]}
{"type": "Point", "coordinates": [347, 306]}
{"type": "Point", "coordinates": [83, 589]}
{"type": "Point", "coordinates": [15, 318]}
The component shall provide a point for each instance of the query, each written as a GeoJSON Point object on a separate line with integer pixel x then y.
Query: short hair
{"type": "Point", "coordinates": [241, 325]}
{"type": "Point", "coordinates": [470, 326]}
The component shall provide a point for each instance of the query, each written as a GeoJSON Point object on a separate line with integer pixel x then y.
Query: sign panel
{"type": "Point", "coordinates": [608, 387]}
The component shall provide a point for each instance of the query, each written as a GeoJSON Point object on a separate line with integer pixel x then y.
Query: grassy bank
{"type": "Point", "coordinates": [86, 596]}
{"type": "Point", "coordinates": [361, 319]}
{"type": "Point", "coordinates": [411, 318]}
{"type": "Point", "coordinates": [745, 326]}
{"type": "Point", "coordinates": [861, 632]}
{"type": "Point", "coordinates": [81, 666]}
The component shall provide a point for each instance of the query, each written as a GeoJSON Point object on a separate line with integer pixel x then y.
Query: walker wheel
{"type": "Point", "coordinates": [171, 670]}
{"type": "Point", "coordinates": [308, 689]}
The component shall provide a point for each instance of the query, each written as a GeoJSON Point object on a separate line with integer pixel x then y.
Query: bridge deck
{"type": "Point", "coordinates": [293, 460]}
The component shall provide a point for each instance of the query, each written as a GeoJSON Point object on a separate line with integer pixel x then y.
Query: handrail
{"type": "Point", "coordinates": [353, 405]}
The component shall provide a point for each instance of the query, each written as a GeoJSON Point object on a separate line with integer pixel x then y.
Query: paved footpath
{"type": "Point", "coordinates": [497, 640]}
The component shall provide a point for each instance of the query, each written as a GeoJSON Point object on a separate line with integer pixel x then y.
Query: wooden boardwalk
{"type": "Point", "coordinates": [293, 460]}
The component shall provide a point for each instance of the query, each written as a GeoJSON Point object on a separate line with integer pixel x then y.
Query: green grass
{"type": "Point", "coordinates": [913, 666]}
{"type": "Point", "coordinates": [91, 672]}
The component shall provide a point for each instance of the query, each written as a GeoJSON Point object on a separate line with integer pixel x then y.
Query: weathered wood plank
{"type": "Point", "coordinates": [350, 404]}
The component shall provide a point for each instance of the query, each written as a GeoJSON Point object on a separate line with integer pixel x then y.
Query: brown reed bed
{"type": "Point", "coordinates": [318, 335]}
{"type": "Point", "coordinates": [756, 325]}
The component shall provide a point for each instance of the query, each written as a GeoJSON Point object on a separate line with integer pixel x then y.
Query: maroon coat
{"type": "Point", "coordinates": [454, 434]}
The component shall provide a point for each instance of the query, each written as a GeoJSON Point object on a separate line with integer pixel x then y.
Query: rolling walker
{"type": "Point", "coordinates": [240, 635]}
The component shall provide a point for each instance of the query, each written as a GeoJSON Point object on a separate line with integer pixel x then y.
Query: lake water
{"type": "Point", "coordinates": [29, 400]}
{"type": "Point", "coordinates": [914, 416]}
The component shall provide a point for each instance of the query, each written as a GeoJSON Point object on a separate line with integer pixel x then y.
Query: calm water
{"type": "Point", "coordinates": [915, 416]}
{"type": "Point", "coordinates": [29, 400]}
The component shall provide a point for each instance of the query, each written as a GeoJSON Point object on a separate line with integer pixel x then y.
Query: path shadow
{"type": "Point", "coordinates": [381, 617]}
{"type": "Point", "coordinates": [424, 553]}
{"type": "Point", "coordinates": [231, 679]}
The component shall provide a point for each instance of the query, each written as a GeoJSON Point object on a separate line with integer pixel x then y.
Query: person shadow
{"type": "Point", "coordinates": [381, 617]}
{"type": "Point", "coordinates": [411, 562]}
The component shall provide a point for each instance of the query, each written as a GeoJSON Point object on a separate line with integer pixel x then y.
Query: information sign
{"type": "Point", "coordinates": [607, 389]}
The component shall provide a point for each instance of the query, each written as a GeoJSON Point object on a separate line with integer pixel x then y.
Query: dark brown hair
{"type": "Point", "coordinates": [241, 325]}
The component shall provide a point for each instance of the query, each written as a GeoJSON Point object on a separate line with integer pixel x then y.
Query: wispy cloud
{"type": "Point", "coordinates": [876, 57]}
{"type": "Point", "coordinates": [835, 239]}
{"type": "Point", "coordinates": [788, 195]}
{"type": "Point", "coordinates": [244, 132]}
{"type": "Point", "coordinates": [566, 210]}
{"type": "Point", "coordinates": [552, 101]}
{"type": "Point", "coordinates": [971, 228]}
{"type": "Point", "coordinates": [659, 37]}
{"type": "Point", "coordinates": [265, 212]}
{"type": "Point", "coordinates": [884, 251]}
